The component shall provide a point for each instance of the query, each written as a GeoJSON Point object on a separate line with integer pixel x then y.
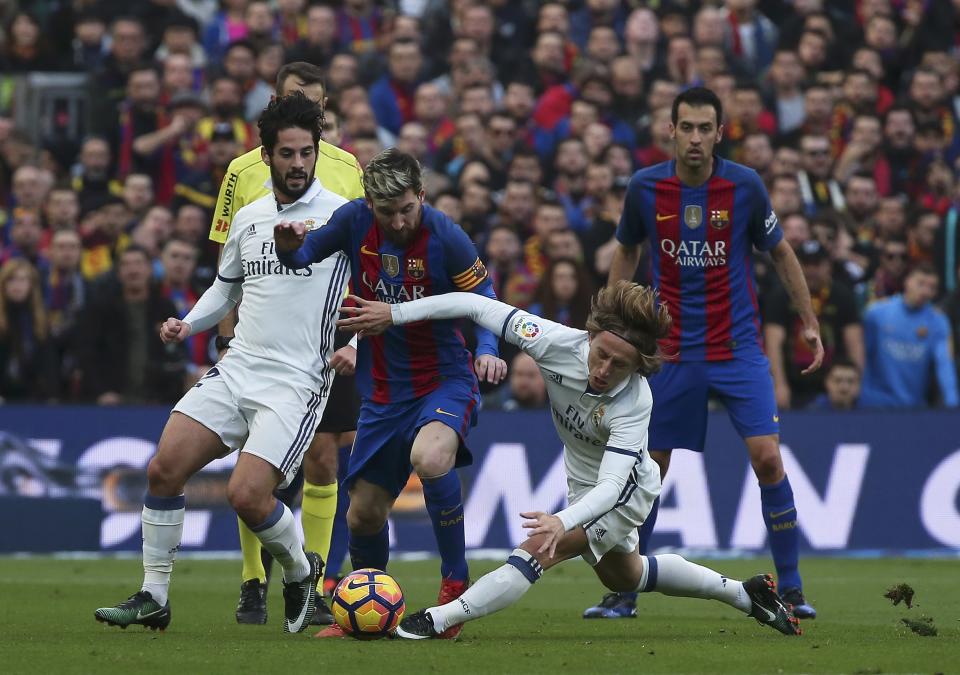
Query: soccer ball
{"type": "Point", "coordinates": [368, 604]}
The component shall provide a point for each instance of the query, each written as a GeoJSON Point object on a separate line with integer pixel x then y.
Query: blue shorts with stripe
{"type": "Point", "coordinates": [681, 392]}
{"type": "Point", "coordinates": [386, 431]}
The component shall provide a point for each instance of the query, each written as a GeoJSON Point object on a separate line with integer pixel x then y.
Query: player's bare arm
{"type": "Point", "coordinates": [788, 269]}
{"type": "Point", "coordinates": [289, 236]}
{"type": "Point", "coordinates": [626, 257]}
{"type": "Point", "coordinates": [370, 317]}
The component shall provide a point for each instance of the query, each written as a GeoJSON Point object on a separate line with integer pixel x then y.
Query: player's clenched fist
{"type": "Point", "coordinates": [174, 330]}
{"type": "Point", "coordinates": [289, 236]}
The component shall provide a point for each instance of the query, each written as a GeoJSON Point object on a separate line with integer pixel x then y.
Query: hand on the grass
{"type": "Point", "coordinates": [289, 236]}
{"type": "Point", "coordinates": [490, 368]}
{"type": "Point", "coordinates": [546, 524]}
{"type": "Point", "coordinates": [369, 317]}
{"type": "Point", "coordinates": [344, 361]}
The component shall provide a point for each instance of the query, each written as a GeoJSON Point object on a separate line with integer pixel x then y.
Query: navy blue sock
{"type": "Point", "coordinates": [340, 535]}
{"type": "Point", "coordinates": [645, 531]}
{"type": "Point", "coordinates": [444, 502]}
{"type": "Point", "coordinates": [780, 515]}
{"type": "Point", "coordinates": [370, 550]}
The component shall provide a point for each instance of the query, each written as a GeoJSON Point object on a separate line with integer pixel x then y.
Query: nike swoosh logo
{"type": "Point", "coordinates": [783, 513]}
{"type": "Point", "coordinates": [660, 216]}
{"type": "Point", "coordinates": [444, 412]}
{"type": "Point", "coordinates": [295, 626]}
{"type": "Point", "coordinates": [367, 251]}
{"type": "Point", "coordinates": [147, 616]}
{"type": "Point", "coordinates": [354, 585]}
{"type": "Point", "coordinates": [447, 512]}
{"type": "Point", "coordinates": [770, 615]}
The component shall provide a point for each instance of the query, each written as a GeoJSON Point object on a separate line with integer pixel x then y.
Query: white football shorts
{"type": "Point", "coordinates": [616, 530]}
{"type": "Point", "coordinates": [261, 407]}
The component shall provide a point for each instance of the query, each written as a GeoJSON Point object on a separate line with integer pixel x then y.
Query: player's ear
{"type": "Point", "coordinates": [264, 155]}
{"type": "Point", "coordinates": [719, 133]}
{"type": "Point", "coordinates": [673, 132]}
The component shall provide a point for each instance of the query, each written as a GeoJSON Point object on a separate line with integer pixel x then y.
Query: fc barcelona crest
{"type": "Point", "coordinates": [415, 268]}
{"type": "Point", "coordinates": [693, 216]}
{"type": "Point", "coordinates": [719, 218]}
{"type": "Point", "coordinates": [391, 264]}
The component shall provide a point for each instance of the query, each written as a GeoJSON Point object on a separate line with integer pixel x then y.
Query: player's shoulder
{"type": "Point", "coordinates": [251, 161]}
{"type": "Point", "coordinates": [256, 210]}
{"type": "Point", "coordinates": [635, 398]}
{"type": "Point", "coordinates": [336, 158]}
{"type": "Point", "coordinates": [440, 224]}
{"type": "Point", "coordinates": [740, 174]}
{"type": "Point", "coordinates": [654, 173]}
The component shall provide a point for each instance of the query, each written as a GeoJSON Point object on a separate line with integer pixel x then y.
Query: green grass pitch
{"type": "Point", "coordinates": [47, 625]}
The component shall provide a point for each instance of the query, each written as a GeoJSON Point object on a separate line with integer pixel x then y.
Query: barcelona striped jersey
{"type": "Point", "coordinates": [701, 242]}
{"type": "Point", "coordinates": [404, 362]}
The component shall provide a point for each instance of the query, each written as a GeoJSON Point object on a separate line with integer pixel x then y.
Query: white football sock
{"type": "Point", "coordinates": [279, 536]}
{"type": "Point", "coordinates": [162, 530]}
{"type": "Point", "coordinates": [671, 574]}
{"type": "Point", "coordinates": [492, 592]}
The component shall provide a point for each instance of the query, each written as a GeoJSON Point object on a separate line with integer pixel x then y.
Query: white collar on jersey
{"type": "Point", "coordinates": [316, 187]}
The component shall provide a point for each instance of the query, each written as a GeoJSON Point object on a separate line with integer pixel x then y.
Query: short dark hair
{"type": "Point", "coordinates": [696, 97]}
{"type": "Point", "coordinates": [303, 71]}
{"type": "Point", "coordinates": [843, 362]}
{"type": "Point", "coordinates": [925, 268]}
{"type": "Point", "coordinates": [284, 112]}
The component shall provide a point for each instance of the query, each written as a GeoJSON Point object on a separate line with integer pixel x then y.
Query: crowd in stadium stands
{"type": "Point", "coordinates": [529, 118]}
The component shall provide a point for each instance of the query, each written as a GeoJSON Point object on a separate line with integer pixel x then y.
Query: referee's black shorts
{"type": "Point", "coordinates": [343, 406]}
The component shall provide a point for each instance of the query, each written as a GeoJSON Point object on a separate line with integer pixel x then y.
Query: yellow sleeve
{"type": "Point", "coordinates": [243, 184]}
{"type": "Point", "coordinates": [355, 186]}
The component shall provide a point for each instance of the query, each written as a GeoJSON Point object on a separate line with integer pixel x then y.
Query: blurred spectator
{"type": "Point", "coordinates": [227, 26]}
{"type": "Point", "coordinates": [179, 261]}
{"type": "Point", "coordinates": [908, 340]}
{"type": "Point", "coordinates": [318, 44]}
{"type": "Point", "coordinates": [392, 95]}
{"type": "Point", "coordinates": [549, 217]}
{"type": "Point", "coordinates": [922, 237]}
{"type": "Point", "coordinates": [138, 194]}
{"type": "Point", "coordinates": [525, 389]}
{"type": "Point", "coordinates": [564, 293]}
{"type": "Point", "coordinates": [563, 244]}
{"type": "Point", "coordinates": [262, 27]}
{"type": "Point", "coordinates": [758, 154]}
{"type": "Point", "coordinates": [28, 364]}
{"type": "Point", "coordinates": [128, 44]}
{"type": "Point", "coordinates": [26, 238]}
{"type": "Point", "coordinates": [65, 294]}
{"type": "Point", "coordinates": [61, 209]}
{"type": "Point", "coordinates": [818, 188]}
{"type": "Point", "coordinates": [91, 177]}
{"type": "Point", "coordinates": [359, 24]}
{"type": "Point", "coordinates": [785, 195]}
{"type": "Point", "coordinates": [26, 48]}
{"type": "Point", "coordinates": [840, 330]}
{"type": "Point", "coordinates": [842, 385]}
{"type": "Point", "coordinates": [751, 37]}
{"type": "Point", "coordinates": [785, 97]}
{"type": "Point", "coordinates": [121, 358]}
{"type": "Point", "coordinates": [342, 72]}
{"type": "Point", "coordinates": [102, 234]}
{"type": "Point", "coordinates": [226, 107]}
{"type": "Point", "coordinates": [181, 36]}
{"type": "Point", "coordinates": [431, 109]}
{"type": "Point", "coordinates": [240, 63]}
{"type": "Point", "coordinates": [889, 276]}
{"type": "Point", "coordinates": [512, 280]}
{"type": "Point", "coordinates": [448, 201]}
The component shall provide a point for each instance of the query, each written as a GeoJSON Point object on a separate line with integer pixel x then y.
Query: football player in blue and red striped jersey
{"type": "Point", "coordinates": [703, 215]}
{"type": "Point", "coordinates": [417, 383]}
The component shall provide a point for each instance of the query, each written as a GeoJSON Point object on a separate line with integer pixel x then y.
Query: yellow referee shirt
{"type": "Point", "coordinates": [337, 170]}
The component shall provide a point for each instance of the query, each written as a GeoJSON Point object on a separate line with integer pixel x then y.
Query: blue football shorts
{"type": "Point", "coordinates": [681, 390]}
{"type": "Point", "coordinates": [386, 431]}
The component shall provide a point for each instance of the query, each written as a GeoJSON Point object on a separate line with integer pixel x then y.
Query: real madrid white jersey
{"type": "Point", "coordinates": [287, 316]}
{"type": "Point", "coordinates": [602, 433]}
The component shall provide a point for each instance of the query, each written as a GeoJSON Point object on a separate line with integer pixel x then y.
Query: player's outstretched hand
{"type": "Point", "coordinates": [811, 336]}
{"type": "Point", "coordinates": [490, 368]}
{"type": "Point", "coordinates": [289, 236]}
{"type": "Point", "coordinates": [369, 317]}
{"type": "Point", "coordinates": [344, 361]}
{"type": "Point", "coordinates": [174, 330]}
{"type": "Point", "coordinates": [546, 524]}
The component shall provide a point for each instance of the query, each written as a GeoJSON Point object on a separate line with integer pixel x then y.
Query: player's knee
{"type": "Point", "coordinates": [431, 464]}
{"type": "Point", "coordinates": [366, 519]}
{"type": "Point", "coordinates": [320, 469]}
{"type": "Point", "coordinates": [252, 507]}
{"type": "Point", "coordinates": [768, 466]}
{"type": "Point", "coordinates": [163, 478]}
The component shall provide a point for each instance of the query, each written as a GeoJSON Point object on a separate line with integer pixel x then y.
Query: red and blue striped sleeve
{"type": "Point", "coordinates": [764, 227]}
{"type": "Point", "coordinates": [323, 242]}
